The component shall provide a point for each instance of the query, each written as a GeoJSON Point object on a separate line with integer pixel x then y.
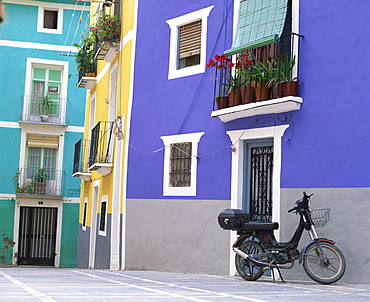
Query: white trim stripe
{"type": "Point", "coordinates": [30, 45]}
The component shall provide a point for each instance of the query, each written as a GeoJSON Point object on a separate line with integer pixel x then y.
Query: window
{"type": "Point", "coordinates": [45, 94]}
{"type": "Point", "coordinates": [41, 158]}
{"type": "Point", "coordinates": [188, 40]}
{"type": "Point", "coordinates": [50, 20]}
{"type": "Point", "coordinates": [103, 215]}
{"type": "Point", "coordinates": [189, 44]}
{"type": "Point", "coordinates": [84, 214]}
{"type": "Point", "coordinates": [180, 164]}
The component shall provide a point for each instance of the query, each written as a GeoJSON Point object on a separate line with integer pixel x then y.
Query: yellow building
{"type": "Point", "coordinates": [100, 158]}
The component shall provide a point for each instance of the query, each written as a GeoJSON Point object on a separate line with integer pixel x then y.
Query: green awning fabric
{"type": "Point", "coordinates": [260, 22]}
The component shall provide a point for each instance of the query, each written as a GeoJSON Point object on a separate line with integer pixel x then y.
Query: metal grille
{"type": "Point", "coordinates": [37, 234]}
{"type": "Point", "coordinates": [100, 144]}
{"type": "Point", "coordinates": [261, 184]}
{"type": "Point", "coordinates": [103, 215]}
{"type": "Point", "coordinates": [180, 164]}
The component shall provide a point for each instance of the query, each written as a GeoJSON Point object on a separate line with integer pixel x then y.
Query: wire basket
{"type": "Point", "coordinates": [320, 217]}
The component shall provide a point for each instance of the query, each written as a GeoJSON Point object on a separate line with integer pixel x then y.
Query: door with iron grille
{"type": "Point", "coordinates": [258, 168]}
{"type": "Point", "coordinates": [37, 236]}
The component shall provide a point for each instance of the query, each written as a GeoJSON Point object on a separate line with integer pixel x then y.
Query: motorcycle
{"type": "Point", "coordinates": [257, 249]}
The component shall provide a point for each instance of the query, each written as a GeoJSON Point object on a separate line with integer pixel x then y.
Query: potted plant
{"type": "Point", "coordinates": [44, 105]}
{"type": "Point", "coordinates": [284, 65]}
{"type": "Point", "coordinates": [39, 181]}
{"type": "Point", "coordinates": [107, 30]}
{"type": "Point", "coordinates": [231, 81]}
{"type": "Point", "coordinates": [85, 57]}
{"type": "Point", "coordinates": [26, 188]}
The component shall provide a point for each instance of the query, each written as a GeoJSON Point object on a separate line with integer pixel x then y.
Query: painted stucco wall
{"type": "Point", "coordinates": [68, 249]}
{"type": "Point", "coordinates": [6, 231]}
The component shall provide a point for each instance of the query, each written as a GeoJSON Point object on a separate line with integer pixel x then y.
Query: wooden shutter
{"type": "Point", "coordinates": [190, 39]}
{"type": "Point", "coordinates": [43, 142]}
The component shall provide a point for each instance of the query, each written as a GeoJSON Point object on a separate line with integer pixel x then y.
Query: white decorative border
{"type": "Point", "coordinates": [40, 20]}
{"type": "Point", "coordinates": [174, 23]}
{"type": "Point", "coordinates": [180, 138]}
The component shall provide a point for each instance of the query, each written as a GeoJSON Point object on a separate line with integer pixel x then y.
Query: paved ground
{"type": "Point", "coordinates": [49, 284]}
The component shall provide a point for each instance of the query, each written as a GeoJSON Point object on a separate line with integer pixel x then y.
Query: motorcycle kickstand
{"type": "Point", "coordinates": [273, 275]}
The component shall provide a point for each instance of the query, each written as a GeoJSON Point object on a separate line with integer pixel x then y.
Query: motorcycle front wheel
{"type": "Point", "coordinates": [246, 269]}
{"type": "Point", "coordinates": [324, 268]}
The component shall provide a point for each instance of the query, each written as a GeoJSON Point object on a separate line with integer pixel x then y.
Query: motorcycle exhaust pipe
{"type": "Point", "coordinates": [260, 263]}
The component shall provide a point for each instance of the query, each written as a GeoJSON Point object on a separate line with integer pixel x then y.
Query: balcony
{"type": "Point", "coordinates": [87, 78]}
{"type": "Point", "coordinates": [80, 160]}
{"type": "Point", "coordinates": [101, 145]}
{"type": "Point", "coordinates": [36, 181]}
{"type": "Point", "coordinates": [42, 110]}
{"type": "Point", "coordinates": [258, 81]}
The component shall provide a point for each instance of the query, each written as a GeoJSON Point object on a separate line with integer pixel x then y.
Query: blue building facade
{"type": "Point", "coordinates": [40, 121]}
{"type": "Point", "coordinates": [191, 157]}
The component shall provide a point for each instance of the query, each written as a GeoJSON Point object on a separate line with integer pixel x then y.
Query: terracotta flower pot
{"type": "Point", "coordinates": [247, 94]}
{"type": "Point", "coordinates": [290, 88]}
{"type": "Point", "coordinates": [222, 102]}
{"type": "Point", "coordinates": [262, 92]}
{"type": "Point", "coordinates": [234, 97]}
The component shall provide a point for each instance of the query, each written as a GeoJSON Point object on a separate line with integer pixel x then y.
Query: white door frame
{"type": "Point", "coordinates": [237, 138]}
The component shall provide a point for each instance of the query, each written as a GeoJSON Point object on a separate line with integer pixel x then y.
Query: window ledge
{"type": "Point", "coordinates": [285, 104]}
{"type": "Point", "coordinates": [87, 82]}
{"type": "Point", "coordinates": [102, 168]}
{"type": "Point", "coordinates": [82, 175]}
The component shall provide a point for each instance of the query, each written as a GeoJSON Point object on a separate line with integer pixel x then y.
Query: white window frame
{"type": "Point", "coordinates": [194, 138]}
{"type": "Point", "coordinates": [104, 198]}
{"type": "Point", "coordinates": [40, 20]}
{"type": "Point", "coordinates": [174, 24]}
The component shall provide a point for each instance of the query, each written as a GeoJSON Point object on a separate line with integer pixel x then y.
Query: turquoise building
{"type": "Point", "coordinates": [41, 118]}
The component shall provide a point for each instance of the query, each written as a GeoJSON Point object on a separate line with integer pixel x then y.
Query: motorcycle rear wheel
{"type": "Point", "coordinates": [246, 269]}
{"type": "Point", "coordinates": [324, 270]}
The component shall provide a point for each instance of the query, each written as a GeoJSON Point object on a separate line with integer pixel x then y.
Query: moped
{"type": "Point", "coordinates": [257, 249]}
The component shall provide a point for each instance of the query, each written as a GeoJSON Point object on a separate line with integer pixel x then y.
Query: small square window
{"type": "Point", "coordinates": [189, 44]}
{"type": "Point", "coordinates": [50, 19]}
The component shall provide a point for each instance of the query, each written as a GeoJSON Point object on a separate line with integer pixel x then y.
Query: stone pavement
{"type": "Point", "coordinates": [51, 284]}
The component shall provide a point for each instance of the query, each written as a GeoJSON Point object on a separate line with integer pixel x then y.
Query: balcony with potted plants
{"type": "Point", "coordinates": [36, 181]}
{"type": "Point", "coordinates": [86, 64]}
{"type": "Point", "coordinates": [256, 82]}
{"type": "Point", "coordinates": [80, 160]}
{"type": "Point", "coordinates": [42, 109]}
{"type": "Point", "coordinates": [106, 32]}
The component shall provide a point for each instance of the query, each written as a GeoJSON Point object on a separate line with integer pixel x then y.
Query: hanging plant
{"type": "Point", "coordinates": [107, 30]}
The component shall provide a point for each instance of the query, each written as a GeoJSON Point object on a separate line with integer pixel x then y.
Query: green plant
{"type": "Point", "coordinates": [85, 56]}
{"type": "Point", "coordinates": [28, 187]}
{"type": "Point", "coordinates": [107, 30]}
{"type": "Point", "coordinates": [40, 175]}
{"type": "Point", "coordinates": [284, 65]}
{"type": "Point", "coordinates": [44, 105]}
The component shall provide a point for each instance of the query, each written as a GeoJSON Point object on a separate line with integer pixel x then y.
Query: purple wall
{"type": "Point", "coordinates": [327, 142]}
{"type": "Point", "coordinates": [183, 105]}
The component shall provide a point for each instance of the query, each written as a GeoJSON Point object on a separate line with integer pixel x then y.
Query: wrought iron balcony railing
{"type": "Point", "coordinates": [265, 73]}
{"type": "Point", "coordinates": [44, 110]}
{"type": "Point", "coordinates": [39, 181]}
{"type": "Point", "coordinates": [101, 144]}
{"type": "Point", "coordinates": [80, 156]}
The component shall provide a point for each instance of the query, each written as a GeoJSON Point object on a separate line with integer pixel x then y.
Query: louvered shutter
{"type": "Point", "coordinates": [43, 142]}
{"type": "Point", "coordinates": [190, 39]}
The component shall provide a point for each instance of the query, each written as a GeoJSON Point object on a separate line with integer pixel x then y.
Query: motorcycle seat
{"type": "Point", "coordinates": [259, 226]}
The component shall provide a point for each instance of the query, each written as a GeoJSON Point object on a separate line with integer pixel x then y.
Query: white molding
{"type": "Point", "coordinates": [41, 46]}
{"type": "Point", "coordinates": [61, 5]}
{"type": "Point", "coordinates": [181, 138]}
{"type": "Point", "coordinates": [174, 23]}
{"type": "Point", "coordinates": [40, 19]}
{"type": "Point", "coordinates": [237, 138]}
